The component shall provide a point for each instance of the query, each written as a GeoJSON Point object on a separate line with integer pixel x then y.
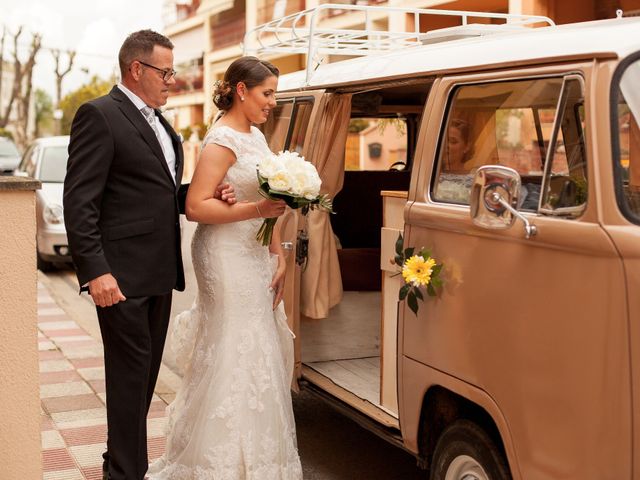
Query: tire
{"type": "Point", "coordinates": [465, 452]}
{"type": "Point", "coordinates": [43, 265]}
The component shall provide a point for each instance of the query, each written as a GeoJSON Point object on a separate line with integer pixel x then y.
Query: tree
{"type": "Point", "coordinates": [4, 35]}
{"type": "Point", "coordinates": [60, 74]}
{"type": "Point", "coordinates": [44, 113]}
{"type": "Point", "coordinates": [72, 101]}
{"type": "Point", "coordinates": [22, 86]}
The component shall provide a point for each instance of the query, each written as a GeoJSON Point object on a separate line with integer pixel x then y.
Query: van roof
{"type": "Point", "coordinates": [613, 38]}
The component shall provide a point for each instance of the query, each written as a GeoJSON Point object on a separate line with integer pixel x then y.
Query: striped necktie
{"type": "Point", "coordinates": [150, 116]}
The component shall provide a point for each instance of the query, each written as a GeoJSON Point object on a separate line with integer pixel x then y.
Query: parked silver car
{"type": "Point", "coordinates": [46, 160]}
{"type": "Point", "coordinates": [9, 156]}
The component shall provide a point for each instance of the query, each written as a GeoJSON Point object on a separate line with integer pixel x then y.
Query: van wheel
{"type": "Point", "coordinates": [465, 452]}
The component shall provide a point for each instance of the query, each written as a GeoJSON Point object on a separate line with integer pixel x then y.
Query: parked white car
{"type": "Point", "coordinates": [46, 160]}
{"type": "Point", "coordinates": [9, 156]}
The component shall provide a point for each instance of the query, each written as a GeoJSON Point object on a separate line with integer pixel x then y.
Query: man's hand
{"type": "Point", "coordinates": [226, 193]}
{"type": "Point", "coordinates": [105, 291]}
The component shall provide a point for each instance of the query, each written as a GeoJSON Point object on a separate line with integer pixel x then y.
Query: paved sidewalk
{"type": "Point", "coordinates": [74, 419]}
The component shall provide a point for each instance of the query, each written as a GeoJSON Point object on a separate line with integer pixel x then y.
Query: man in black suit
{"type": "Point", "coordinates": [122, 220]}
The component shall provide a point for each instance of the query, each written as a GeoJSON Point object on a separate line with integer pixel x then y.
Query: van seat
{"type": "Point", "coordinates": [357, 222]}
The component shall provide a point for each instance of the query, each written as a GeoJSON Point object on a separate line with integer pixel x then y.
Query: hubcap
{"type": "Point", "coordinates": [465, 468]}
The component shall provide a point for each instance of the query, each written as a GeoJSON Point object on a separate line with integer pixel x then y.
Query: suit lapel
{"type": "Point", "coordinates": [137, 119]}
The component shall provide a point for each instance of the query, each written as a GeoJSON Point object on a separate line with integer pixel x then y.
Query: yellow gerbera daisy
{"type": "Point", "coordinates": [417, 270]}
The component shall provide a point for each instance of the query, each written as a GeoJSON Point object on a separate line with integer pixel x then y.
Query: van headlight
{"type": "Point", "coordinates": [52, 214]}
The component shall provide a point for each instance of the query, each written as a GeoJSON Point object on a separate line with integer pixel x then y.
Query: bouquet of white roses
{"type": "Point", "coordinates": [288, 176]}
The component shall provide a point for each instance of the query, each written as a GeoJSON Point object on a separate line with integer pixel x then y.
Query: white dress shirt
{"type": "Point", "coordinates": [167, 145]}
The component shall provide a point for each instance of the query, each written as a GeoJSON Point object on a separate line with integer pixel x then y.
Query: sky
{"type": "Point", "coordinates": [94, 28]}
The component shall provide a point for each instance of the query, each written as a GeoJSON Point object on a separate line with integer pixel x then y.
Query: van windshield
{"type": "Point", "coordinates": [627, 151]}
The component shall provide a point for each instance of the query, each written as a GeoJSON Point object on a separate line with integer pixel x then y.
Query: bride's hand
{"type": "Point", "coordinates": [277, 283]}
{"type": "Point", "coordinates": [271, 208]}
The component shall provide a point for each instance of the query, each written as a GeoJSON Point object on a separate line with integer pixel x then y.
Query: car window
{"type": "Point", "coordinates": [511, 124]}
{"type": "Point", "coordinates": [565, 180]}
{"type": "Point", "coordinates": [626, 116]}
{"type": "Point", "coordinates": [375, 143]}
{"type": "Point", "coordinates": [286, 127]}
{"type": "Point", "coordinates": [30, 161]}
{"type": "Point", "coordinates": [8, 149]}
{"type": "Point", "coordinates": [53, 165]}
{"type": "Point", "coordinates": [277, 125]}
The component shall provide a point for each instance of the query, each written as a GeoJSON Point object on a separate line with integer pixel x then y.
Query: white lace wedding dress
{"type": "Point", "coordinates": [232, 418]}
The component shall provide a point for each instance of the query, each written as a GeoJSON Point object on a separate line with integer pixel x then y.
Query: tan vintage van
{"type": "Point", "coordinates": [513, 153]}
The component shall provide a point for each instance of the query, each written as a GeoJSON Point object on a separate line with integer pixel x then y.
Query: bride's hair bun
{"type": "Point", "coordinates": [222, 95]}
{"type": "Point", "coordinates": [249, 70]}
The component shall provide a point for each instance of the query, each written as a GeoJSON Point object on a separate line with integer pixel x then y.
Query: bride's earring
{"type": "Point", "coordinates": [242, 99]}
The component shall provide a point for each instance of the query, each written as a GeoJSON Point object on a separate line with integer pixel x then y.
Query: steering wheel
{"type": "Point", "coordinates": [398, 166]}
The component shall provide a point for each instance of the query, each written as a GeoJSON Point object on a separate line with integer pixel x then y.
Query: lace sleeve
{"type": "Point", "coordinates": [222, 136]}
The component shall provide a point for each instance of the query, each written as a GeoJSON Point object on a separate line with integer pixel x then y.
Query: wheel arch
{"type": "Point", "coordinates": [440, 400]}
{"type": "Point", "coordinates": [442, 407]}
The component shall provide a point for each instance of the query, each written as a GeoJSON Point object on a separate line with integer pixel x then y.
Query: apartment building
{"type": "Point", "coordinates": [208, 36]}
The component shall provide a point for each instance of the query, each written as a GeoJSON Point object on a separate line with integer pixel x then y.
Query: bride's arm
{"type": "Point", "coordinates": [201, 204]}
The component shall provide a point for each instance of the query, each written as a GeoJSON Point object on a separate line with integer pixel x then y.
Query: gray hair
{"type": "Point", "coordinates": [139, 46]}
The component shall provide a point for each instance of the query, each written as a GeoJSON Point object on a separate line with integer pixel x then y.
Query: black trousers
{"type": "Point", "coordinates": [133, 334]}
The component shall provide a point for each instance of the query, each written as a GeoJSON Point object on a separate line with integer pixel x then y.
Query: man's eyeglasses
{"type": "Point", "coordinates": [166, 73]}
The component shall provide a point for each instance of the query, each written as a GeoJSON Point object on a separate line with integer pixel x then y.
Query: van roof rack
{"type": "Point", "coordinates": [301, 33]}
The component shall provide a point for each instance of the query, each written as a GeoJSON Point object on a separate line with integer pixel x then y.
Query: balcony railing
{"type": "Point", "coordinates": [336, 12]}
{"type": "Point", "coordinates": [189, 79]}
{"type": "Point", "coordinates": [268, 8]}
{"type": "Point", "coordinates": [227, 33]}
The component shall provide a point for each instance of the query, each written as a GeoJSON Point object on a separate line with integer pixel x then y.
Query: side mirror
{"type": "Point", "coordinates": [494, 199]}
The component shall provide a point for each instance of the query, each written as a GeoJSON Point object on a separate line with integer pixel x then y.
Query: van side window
{"type": "Point", "coordinates": [626, 140]}
{"type": "Point", "coordinates": [286, 127]}
{"type": "Point", "coordinates": [277, 125]}
{"type": "Point", "coordinates": [565, 179]}
{"type": "Point", "coordinates": [512, 124]}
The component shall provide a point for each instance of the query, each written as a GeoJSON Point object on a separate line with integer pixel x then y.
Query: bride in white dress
{"type": "Point", "coordinates": [232, 418]}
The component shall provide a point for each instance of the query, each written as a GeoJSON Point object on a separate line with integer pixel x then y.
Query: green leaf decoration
{"type": "Point", "coordinates": [399, 244]}
{"type": "Point", "coordinates": [430, 290]}
{"type": "Point", "coordinates": [436, 281]}
{"type": "Point", "coordinates": [413, 303]}
{"type": "Point", "coordinates": [399, 259]}
{"type": "Point", "coordinates": [436, 270]}
{"type": "Point", "coordinates": [408, 252]}
{"type": "Point", "coordinates": [404, 291]}
{"type": "Point", "coordinates": [418, 293]}
{"type": "Point", "coordinates": [425, 253]}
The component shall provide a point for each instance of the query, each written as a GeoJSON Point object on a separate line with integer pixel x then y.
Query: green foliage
{"type": "Point", "coordinates": [96, 87]}
{"type": "Point", "coordinates": [44, 113]}
{"type": "Point", "coordinates": [186, 133]}
{"type": "Point", "coordinates": [356, 125]}
{"type": "Point", "coordinates": [202, 129]}
{"type": "Point", "coordinates": [399, 123]}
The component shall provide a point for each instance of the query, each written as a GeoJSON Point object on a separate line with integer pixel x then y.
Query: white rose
{"type": "Point", "coordinates": [281, 181]}
{"type": "Point", "coordinates": [270, 166]}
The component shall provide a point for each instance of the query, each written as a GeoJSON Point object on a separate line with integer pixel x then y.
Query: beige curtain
{"type": "Point", "coordinates": [321, 284]}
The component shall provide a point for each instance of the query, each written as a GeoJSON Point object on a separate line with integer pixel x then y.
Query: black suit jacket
{"type": "Point", "coordinates": [120, 202]}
